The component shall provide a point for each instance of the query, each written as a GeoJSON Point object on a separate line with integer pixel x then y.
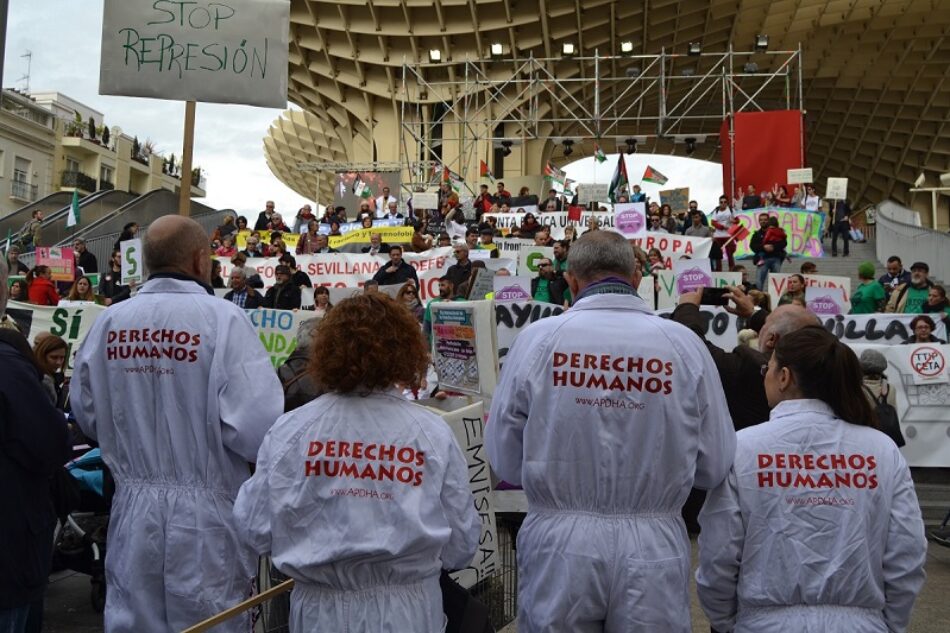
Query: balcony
{"type": "Point", "coordinates": [105, 185]}
{"type": "Point", "coordinates": [22, 191]}
{"type": "Point", "coordinates": [78, 180]}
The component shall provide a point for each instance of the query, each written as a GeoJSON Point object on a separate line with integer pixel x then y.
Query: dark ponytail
{"type": "Point", "coordinates": [826, 369]}
{"type": "Point", "coordinates": [36, 272]}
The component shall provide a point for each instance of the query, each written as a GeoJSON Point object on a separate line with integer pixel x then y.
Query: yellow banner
{"type": "Point", "coordinates": [390, 235]}
{"type": "Point", "coordinates": [290, 239]}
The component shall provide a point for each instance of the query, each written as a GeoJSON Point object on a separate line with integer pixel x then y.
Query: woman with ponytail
{"type": "Point", "coordinates": [817, 527]}
{"type": "Point", "coordinates": [41, 289]}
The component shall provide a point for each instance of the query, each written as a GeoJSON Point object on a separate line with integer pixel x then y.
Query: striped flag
{"type": "Point", "coordinates": [652, 175]}
{"type": "Point", "coordinates": [553, 174]}
{"type": "Point", "coordinates": [484, 172]}
{"type": "Point", "coordinates": [599, 155]}
{"type": "Point", "coordinates": [619, 183]}
{"type": "Point", "coordinates": [73, 219]}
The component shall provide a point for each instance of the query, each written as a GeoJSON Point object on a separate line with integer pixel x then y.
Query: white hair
{"type": "Point", "coordinates": [599, 254]}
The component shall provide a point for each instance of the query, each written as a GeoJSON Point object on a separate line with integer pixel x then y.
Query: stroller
{"type": "Point", "coordinates": [80, 539]}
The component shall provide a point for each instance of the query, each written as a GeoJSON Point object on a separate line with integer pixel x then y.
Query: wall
{"type": "Point", "coordinates": [897, 234]}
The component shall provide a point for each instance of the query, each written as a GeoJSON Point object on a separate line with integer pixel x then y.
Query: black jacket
{"type": "Point", "coordinates": [282, 298]}
{"type": "Point", "coordinates": [459, 273]}
{"type": "Point", "coordinates": [33, 445]}
{"type": "Point", "coordinates": [383, 248]}
{"type": "Point", "coordinates": [404, 273]}
{"type": "Point", "coordinates": [111, 288]}
{"type": "Point", "coordinates": [556, 288]}
{"type": "Point", "coordinates": [299, 387]}
{"type": "Point", "coordinates": [87, 261]}
{"type": "Point", "coordinates": [262, 221]}
{"type": "Point", "coordinates": [252, 302]}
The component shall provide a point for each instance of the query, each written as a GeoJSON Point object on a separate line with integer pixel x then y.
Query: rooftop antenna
{"type": "Point", "coordinates": [29, 65]}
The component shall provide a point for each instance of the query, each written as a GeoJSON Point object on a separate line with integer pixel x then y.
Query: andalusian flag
{"type": "Point", "coordinates": [553, 174]}
{"type": "Point", "coordinates": [599, 155]}
{"type": "Point", "coordinates": [485, 172]}
{"type": "Point", "coordinates": [73, 218]}
{"type": "Point", "coordinates": [619, 183]}
{"type": "Point", "coordinates": [652, 175]}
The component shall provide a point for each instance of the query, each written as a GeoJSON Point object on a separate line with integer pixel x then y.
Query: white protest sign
{"type": "Point", "coordinates": [778, 284]}
{"type": "Point", "coordinates": [825, 301]}
{"type": "Point", "coordinates": [929, 364]}
{"type": "Point", "coordinates": [512, 288]}
{"type": "Point", "coordinates": [674, 247]}
{"type": "Point", "coordinates": [556, 221]}
{"type": "Point", "coordinates": [668, 295]}
{"type": "Point", "coordinates": [132, 267]}
{"type": "Point", "coordinates": [591, 192]}
{"type": "Point", "coordinates": [529, 256]}
{"type": "Point", "coordinates": [463, 346]}
{"type": "Point", "coordinates": [511, 318]}
{"type": "Point", "coordinates": [692, 274]}
{"type": "Point", "coordinates": [630, 219]}
{"type": "Point", "coordinates": [425, 200]}
{"type": "Point", "coordinates": [226, 52]}
{"type": "Point", "coordinates": [836, 189]}
{"type": "Point", "coordinates": [800, 176]}
{"type": "Point", "coordinates": [482, 284]}
{"type": "Point", "coordinates": [467, 423]}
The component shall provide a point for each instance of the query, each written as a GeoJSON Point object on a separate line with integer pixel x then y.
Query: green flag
{"type": "Point", "coordinates": [73, 219]}
{"type": "Point", "coordinates": [599, 155]}
{"type": "Point", "coordinates": [618, 184]}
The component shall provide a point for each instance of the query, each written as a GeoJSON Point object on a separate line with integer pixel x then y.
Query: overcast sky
{"type": "Point", "coordinates": [64, 37]}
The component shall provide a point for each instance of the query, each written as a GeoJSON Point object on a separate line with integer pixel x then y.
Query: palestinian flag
{"type": "Point", "coordinates": [568, 187]}
{"type": "Point", "coordinates": [485, 172]}
{"type": "Point", "coordinates": [553, 174]}
{"type": "Point", "coordinates": [599, 155]}
{"type": "Point", "coordinates": [619, 183]}
{"type": "Point", "coordinates": [452, 179]}
{"type": "Point", "coordinates": [652, 175]}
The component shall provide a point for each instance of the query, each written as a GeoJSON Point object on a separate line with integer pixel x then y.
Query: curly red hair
{"type": "Point", "coordinates": [369, 342]}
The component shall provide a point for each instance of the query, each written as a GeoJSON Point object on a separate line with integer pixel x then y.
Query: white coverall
{"type": "Point", "coordinates": [817, 529]}
{"type": "Point", "coordinates": [177, 389]}
{"type": "Point", "coordinates": [607, 415]}
{"type": "Point", "coordinates": [362, 500]}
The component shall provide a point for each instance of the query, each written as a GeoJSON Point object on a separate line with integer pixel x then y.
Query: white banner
{"type": "Point", "coordinates": [71, 323]}
{"type": "Point", "coordinates": [277, 330]}
{"type": "Point", "coordinates": [234, 52]}
{"type": "Point", "coordinates": [778, 284]}
{"type": "Point", "coordinates": [511, 318]}
{"type": "Point", "coordinates": [675, 247]}
{"type": "Point", "coordinates": [557, 221]}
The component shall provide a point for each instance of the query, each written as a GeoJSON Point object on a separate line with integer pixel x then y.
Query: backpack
{"type": "Point", "coordinates": [887, 415]}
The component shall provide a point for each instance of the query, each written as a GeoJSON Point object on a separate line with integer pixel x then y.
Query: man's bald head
{"type": "Point", "coordinates": [177, 244]}
{"type": "Point", "coordinates": [783, 320]}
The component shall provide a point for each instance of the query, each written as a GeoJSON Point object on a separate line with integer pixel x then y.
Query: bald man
{"type": "Point", "coordinates": [177, 389]}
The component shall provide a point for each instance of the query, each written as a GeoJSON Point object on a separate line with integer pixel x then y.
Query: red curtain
{"type": "Point", "coordinates": [767, 145]}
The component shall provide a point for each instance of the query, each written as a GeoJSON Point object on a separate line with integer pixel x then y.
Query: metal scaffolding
{"type": "Point", "coordinates": [659, 100]}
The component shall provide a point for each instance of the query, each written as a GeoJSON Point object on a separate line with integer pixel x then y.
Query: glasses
{"type": "Point", "coordinates": [764, 369]}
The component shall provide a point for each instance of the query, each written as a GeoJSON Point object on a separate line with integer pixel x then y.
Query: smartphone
{"type": "Point", "coordinates": [714, 297]}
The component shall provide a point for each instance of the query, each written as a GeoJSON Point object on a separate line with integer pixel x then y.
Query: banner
{"type": "Point", "coordinates": [277, 330]}
{"type": "Point", "coordinates": [360, 237]}
{"type": "Point", "coordinates": [511, 318]}
{"type": "Point", "coordinates": [468, 425]}
{"type": "Point", "coordinates": [778, 283]}
{"type": "Point", "coordinates": [878, 328]}
{"type": "Point", "coordinates": [675, 247]}
{"type": "Point", "coordinates": [803, 229]}
{"type": "Point", "coordinates": [556, 221]}
{"type": "Point", "coordinates": [71, 323]}
{"type": "Point", "coordinates": [61, 262]}
{"type": "Point", "coordinates": [196, 51]}
{"type": "Point", "coordinates": [462, 346]}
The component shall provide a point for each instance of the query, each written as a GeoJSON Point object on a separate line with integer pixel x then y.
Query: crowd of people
{"type": "Point", "coordinates": [363, 498]}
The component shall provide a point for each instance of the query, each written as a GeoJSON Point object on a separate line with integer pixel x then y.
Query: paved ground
{"type": "Point", "coordinates": [68, 609]}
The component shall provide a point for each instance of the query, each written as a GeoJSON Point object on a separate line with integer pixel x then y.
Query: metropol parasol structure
{"type": "Point", "coordinates": [409, 85]}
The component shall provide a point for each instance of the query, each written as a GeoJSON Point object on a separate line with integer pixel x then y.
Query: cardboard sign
{"type": "Point", "coordinates": [828, 301]}
{"type": "Point", "coordinates": [425, 200]}
{"type": "Point", "coordinates": [800, 176]}
{"type": "Point", "coordinates": [512, 288]}
{"type": "Point", "coordinates": [630, 219]}
{"type": "Point", "coordinates": [233, 52]}
{"type": "Point", "coordinates": [462, 346]}
{"type": "Point", "coordinates": [482, 284]}
{"type": "Point", "coordinates": [837, 189]}
{"type": "Point", "coordinates": [678, 199]}
{"type": "Point", "coordinates": [132, 262]}
{"type": "Point", "coordinates": [592, 192]}
{"type": "Point", "coordinates": [692, 274]}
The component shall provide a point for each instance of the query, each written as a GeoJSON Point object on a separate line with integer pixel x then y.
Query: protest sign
{"type": "Point", "coordinates": [425, 200]}
{"type": "Point", "coordinates": [512, 247]}
{"type": "Point", "coordinates": [778, 283]}
{"type": "Point", "coordinates": [836, 189]}
{"type": "Point", "coordinates": [630, 219]}
{"type": "Point", "coordinates": [468, 426]}
{"type": "Point", "coordinates": [802, 228]}
{"type": "Point", "coordinates": [646, 291]}
{"type": "Point", "coordinates": [825, 301]}
{"type": "Point", "coordinates": [720, 327]}
{"type": "Point", "coordinates": [233, 52]}
{"type": "Point", "coordinates": [71, 323]}
{"type": "Point", "coordinates": [878, 328]}
{"type": "Point", "coordinates": [277, 330]}
{"type": "Point", "coordinates": [667, 295]}
{"type": "Point", "coordinates": [463, 346]}
{"type": "Point", "coordinates": [929, 364]}
{"type": "Point", "coordinates": [692, 274]}
{"type": "Point", "coordinates": [512, 288]}
{"type": "Point", "coordinates": [799, 176]}
{"type": "Point", "coordinates": [678, 199]}
{"type": "Point", "coordinates": [132, 267]}
{"type": "Point", "coordinates": [511, 318]}
{"type": "Point", "coordinates": [61, 262]}
{"type": "Point", "coordinates": [528, 257]}
{"type": "Point", "coordinates": [360, 237]}
{"type": "Point", "coordinates": [592, 192]}
{"type": "Point", "coordinates": [675, 247]}
{"type": "Point", "coordinates": [482, 284]}
{"type": "Point", "coordinates": [556, 221]}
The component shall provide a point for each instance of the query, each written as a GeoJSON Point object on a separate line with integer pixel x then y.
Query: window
{"type": "Point", "coordinates": [106, 173]}
{"type": "Point", "coordinates": [21, 170]}
{"type": "Point", "coordinates": [72, 164]}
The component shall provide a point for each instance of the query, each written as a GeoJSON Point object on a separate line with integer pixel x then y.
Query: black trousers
{"type": "Point", "coordinates": [843, 229]}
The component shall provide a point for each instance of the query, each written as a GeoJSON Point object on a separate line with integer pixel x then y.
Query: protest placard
{"type": "Point", "coordinates": [836, 189]}
{"type": "Point", "coordinates": [827, 301]}
{"type": "Point", "coordinates": [802, 228]}
{"type": "Point", "coordinates": [61, 262]}
{"type": "Point", "coordinates": [512, 288]}
{"type": "Point", "coordinates": [929, 364]}
{"type": "Point", "coordinates": [277, 330]}
{"type": "Point", "coordinates": [630, 219]}
{"type": "Point", "coordinates": [678, 199]}
{"type": "Point", "coordinates": [133, 268]}
{"type": "Point", "coordinates": [667, 293]}
{"type": "Point", "coordinates": [592, 192]}
{"type": "Point", "coordinates": [800, 176]}
{"type": "Point", "coordinates": [778, 282]}
{"type": "Point", "coordinates": [226, 52]}
{"type": "Point", "coordinates": [463, 346]}
{"type": "Point", "coordinates": [425, 200]}
{"type": "Point", "coordinates": [692, 274]}
{"type": "Point", "coordinates": [482, 284]}
{"type": "Point", "coordinates": [528, 257]}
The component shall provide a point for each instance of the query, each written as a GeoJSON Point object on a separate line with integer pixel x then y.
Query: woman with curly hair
{"type": "Point", "coordinates": [359, 495]}
{"type": "Point", "coordinates": [82, 291]}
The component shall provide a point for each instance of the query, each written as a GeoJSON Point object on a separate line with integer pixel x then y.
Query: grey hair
{"type": "Point", "coordinates": [788, 321]}
{"type": "Point", "coordinates": [306, 333]}
{"type": "Point", "coordinates": [599, 254]}
{"type": "Point", "coordinates": [4, 292]}
{"type": "Point", "coordinates": [240, 271]}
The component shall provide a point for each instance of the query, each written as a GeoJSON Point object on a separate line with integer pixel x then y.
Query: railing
{"type": "Point", "coordinates": [105, 185]}
{"type": "Point", "coordinates": [78, 179]}
{"type": "Point", "coordinates": [899, 234]}
{"type": "Point", "coordinates": [23, 190]}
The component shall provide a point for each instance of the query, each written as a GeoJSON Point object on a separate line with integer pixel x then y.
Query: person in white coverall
{"type": "Point", "coordinates": [607, 415]}
{"type": "Point", "coordinates": [178, 391]}
{"type": "Point", "coordinates": [361, 496]}
{"type": "Point", "coordinates": [817, 527]}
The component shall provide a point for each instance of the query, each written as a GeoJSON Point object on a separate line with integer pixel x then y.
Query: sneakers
{"type": "Point", "coordinates": [941, 535]}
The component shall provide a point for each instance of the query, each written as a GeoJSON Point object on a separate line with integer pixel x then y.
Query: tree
{"type": "Point", "coordinates": [92, 129]}
{"type": "Point", "coordinates": [105, 135]}
{"type": "Point", "coordinates": [136, 148]}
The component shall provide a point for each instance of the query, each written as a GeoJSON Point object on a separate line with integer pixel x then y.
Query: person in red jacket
{"type": "Point", "coordinates": [42, 290]}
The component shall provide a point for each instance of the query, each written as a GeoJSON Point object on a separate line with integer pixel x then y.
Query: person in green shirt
{"type": "Point", "coordinates": [446, 293]}
{"type": "Point", "coordinates": [910, 298]}
{"type": "Point", "coordinates": [869, 296]}
{"type": "Point", "coordinates": [547, 286]}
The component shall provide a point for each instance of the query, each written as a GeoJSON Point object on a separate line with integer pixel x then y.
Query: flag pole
{"type": "Point", "coordinates": [184, 194]}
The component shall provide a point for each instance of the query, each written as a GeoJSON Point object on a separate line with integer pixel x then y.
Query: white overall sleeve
{"type": "Point", "coordinates": [717, 436]}
{"type": "Point", "coordinates": [252, 508]}
{"type": "Point", "coordinates": [904, 553]}
{"type": "Point", "coordinates": [81, 399]}
{"type": "Point", "coordinates": [721, 542]}
{"type": "Point", "coordinates": [250, 397]}
{"type": "Point", "coordinates": [504, 433]}
{"type": "Point", "coordinates": [458, 505]}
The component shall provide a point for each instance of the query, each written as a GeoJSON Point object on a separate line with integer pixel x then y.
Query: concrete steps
{"type": "Point", "coordinates": [842, 266]}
